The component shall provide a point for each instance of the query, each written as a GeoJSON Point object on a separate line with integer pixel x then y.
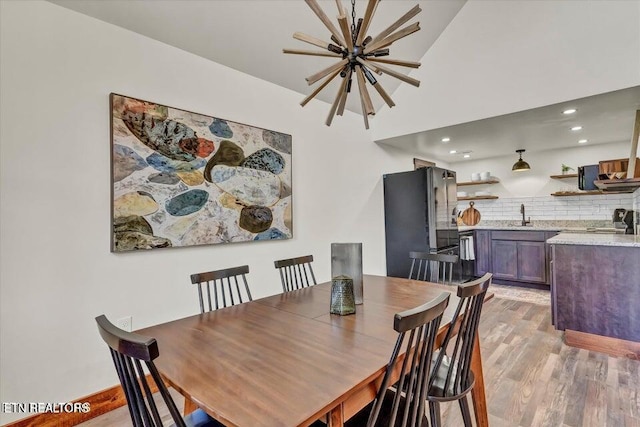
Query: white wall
{"type": "Point", "coordinates": [537, 182]}
{"type": "Point", "coordinates": [57, 70]}
{"type": "Point", "coordinates": [533, 188]}
{"type": "Point", "coordinates": [498, 57]}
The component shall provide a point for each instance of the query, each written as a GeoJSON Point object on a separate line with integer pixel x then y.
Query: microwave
{"type": "Point", "coordinates": [586, 176]}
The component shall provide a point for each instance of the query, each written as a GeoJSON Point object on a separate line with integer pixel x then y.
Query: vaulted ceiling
{"type": "Point", "coordinates": [249, 35]}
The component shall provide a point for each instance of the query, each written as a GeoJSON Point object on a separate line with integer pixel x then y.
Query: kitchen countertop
{"type": "Point", "coordinates": [595, 239]}
{"type": "Point", "coordinates": [589, 230]}
{"type": "Point", "coordinates": [517, 227]}
{"type": "Point", "coordinates": [569, 226]}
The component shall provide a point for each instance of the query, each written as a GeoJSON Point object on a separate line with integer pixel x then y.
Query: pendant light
{"type": "Point", "coordinates": [359, 55]}
{"type": "Point", "coordinates": [520, 165]}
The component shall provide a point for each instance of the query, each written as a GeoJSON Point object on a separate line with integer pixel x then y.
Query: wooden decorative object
{"type": "Point", "coordinates": [471, 216]}
{"type": "Point", "coordinates": [360, 55]}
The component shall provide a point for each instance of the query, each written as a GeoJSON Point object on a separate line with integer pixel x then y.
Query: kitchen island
{"type": "Point", "coordinates": [595, 291]}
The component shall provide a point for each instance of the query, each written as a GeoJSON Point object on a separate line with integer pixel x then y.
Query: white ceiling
{"type": "Point", "coordinates": [249, 35]}
{"type": "Point", "coordinates": [604, 118]}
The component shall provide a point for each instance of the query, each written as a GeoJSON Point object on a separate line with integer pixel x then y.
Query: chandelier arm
{"type": "Point", "coordinates": [340, 7]}
{"type": "Point", "coordinates": [334, 106]}
{"type": "Point", "coordinates": [312, 40]}
{"type": "Point", "coordinates": [323, 73]}
{"type": "Point", "coordinates": [378, 86]}
{"type": "Point", "coordinates": [344, 26]}
{"type": "Point", "coordinates": [311, 53]}
{"type": "Point", "coordinates": [364, 115]}
{"type": "Point", "coordinates": [313, 4]}
{"type": "Point", "coordinates": [319, 88]}
{"type": "Point", "coordinates": [410, 64]}
{"type": "Point", "coordinates": [345, 94]}
{"type": "Point", "coordinates": [408, 30]}
{"type": "Point", "coordinates": [364, 93]}
{"type": "Point", "coordinates": [383, 93]}
{"type": "Point", "coordinates": [389, 71]}
{"type": "Point", "coordinates": [391, 28]}
{"type": "Point", "coordinates": [368, 15]}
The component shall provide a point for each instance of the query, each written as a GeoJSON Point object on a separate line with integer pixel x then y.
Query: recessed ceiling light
{"type": "Point", "coordinates": [452, 152]}
{"type": "Point", "coordinates": [576, 128]}
{"type": "Point", "coordinates": [446, 139]}
{"type": "Point", "coordinates": [582, 141]}
{"type": "Point", "coordinates": [569, 111]}
{"type": "Point", "coordinates": [466, 156]}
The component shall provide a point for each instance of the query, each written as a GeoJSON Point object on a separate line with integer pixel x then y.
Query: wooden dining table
{"type": "Point", "coordinates": [285, 361]}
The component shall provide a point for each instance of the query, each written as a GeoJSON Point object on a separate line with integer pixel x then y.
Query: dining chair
{"type": "Point", "coordinates": [406, 408]}
{"type": "Point", "coordinates": [294, 272]}
{"type": "Point", "coordinates": [224, 286]}
{"type": "Point", "coordinates": [128, 351]}
{"type": "Point", "coordinates": [452, 378]}
{"type": "Point", "coordinates": [436, 265]}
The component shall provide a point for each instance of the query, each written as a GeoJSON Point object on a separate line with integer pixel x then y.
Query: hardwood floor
{"type": "Point", "coordinates": [532, 378]}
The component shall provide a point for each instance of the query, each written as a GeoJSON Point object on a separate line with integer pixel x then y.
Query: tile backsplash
{"type": "Point", "coordinates": [554, 208]}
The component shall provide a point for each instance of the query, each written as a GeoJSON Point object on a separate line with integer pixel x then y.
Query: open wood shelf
{"type": "Point", "coordinates": [587, 193]}
{"type": "Point", "coordinates": [568, 175]}
{"type": "Point", "coordinates": [629, 184]}
{"type": "Point", "coordinates": [477, 198]}
{"type": "Point", "coordinates": [488, 181]}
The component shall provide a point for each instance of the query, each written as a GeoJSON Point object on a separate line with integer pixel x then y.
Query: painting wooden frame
{"type": "Point", "coordinates": [183, 179]}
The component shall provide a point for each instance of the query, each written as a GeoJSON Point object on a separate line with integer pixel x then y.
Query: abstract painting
{"type": "Point", "coordinates": [183, 179]}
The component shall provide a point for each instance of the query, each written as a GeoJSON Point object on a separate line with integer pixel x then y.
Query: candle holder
{"type": "Point", "coordinates": [342, 300]}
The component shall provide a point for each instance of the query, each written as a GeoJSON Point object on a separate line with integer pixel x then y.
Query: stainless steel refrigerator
{"type": "Point", "coordinates": [420, 214]}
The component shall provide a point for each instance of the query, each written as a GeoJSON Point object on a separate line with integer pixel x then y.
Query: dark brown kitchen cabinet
{"type": "Point", "coordinates": [532, 262]}
{"type": "Point", "coordinates": [504, 254]}
{"type": "Point", "coordinates": [513, 256]}
{"type": "Point", "coordinates": [482, 249]}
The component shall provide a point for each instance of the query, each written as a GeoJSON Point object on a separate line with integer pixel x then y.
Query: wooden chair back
{"type": "Point", "coordinates": [432, 267]}
{"type": "Point", "coordinates": [295, 272]}
{"type": "Point", "coordinates": [129, 351]}
{"type": "Point", "coordinates": [421, 324]}
{"type": "Point", "coordinates": [456, 379]}
{"type": "Point", "coordinates": [224, 286]}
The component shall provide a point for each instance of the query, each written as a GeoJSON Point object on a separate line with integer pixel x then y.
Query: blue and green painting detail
{"type": "Point", "coordinates": [185, 179]}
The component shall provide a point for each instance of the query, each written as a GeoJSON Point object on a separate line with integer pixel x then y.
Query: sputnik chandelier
{"type": "Point", "coordinates": [359, 54]}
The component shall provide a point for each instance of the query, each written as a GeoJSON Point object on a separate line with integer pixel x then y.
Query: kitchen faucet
{"type": "Point", "coordinates": [524, 222]}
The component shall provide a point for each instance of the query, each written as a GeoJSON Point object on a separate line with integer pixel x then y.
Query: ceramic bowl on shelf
{"type": "Point", "coordinates": [475, 176]}
{"type": "Point", "coordinates": [485, 176]}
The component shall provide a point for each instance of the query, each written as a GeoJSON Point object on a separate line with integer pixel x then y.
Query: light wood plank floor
{"type": "Point", "coordinates": [532, 378]}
